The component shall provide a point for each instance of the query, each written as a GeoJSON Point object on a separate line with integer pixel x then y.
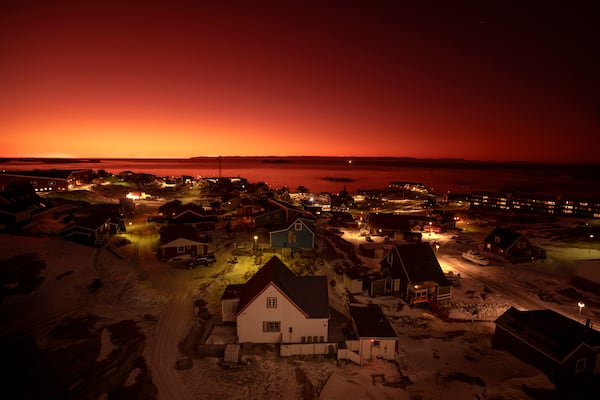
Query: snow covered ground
{"type": "Point", "coordinates": [169, 304]}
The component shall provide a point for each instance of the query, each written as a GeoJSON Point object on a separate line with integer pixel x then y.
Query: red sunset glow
{"type": "Point", "coordinates": [491, 81]}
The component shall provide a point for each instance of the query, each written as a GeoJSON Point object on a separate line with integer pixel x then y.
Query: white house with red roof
{"type": "Point", "coordinates": [277, 306]}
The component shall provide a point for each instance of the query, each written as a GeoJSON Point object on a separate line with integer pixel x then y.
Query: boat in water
{"type": "Point", "coordinates": [475, 257]}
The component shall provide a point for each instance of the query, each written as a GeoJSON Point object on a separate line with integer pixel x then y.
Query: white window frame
{"type": "Point", "coordinates": [271, 326]}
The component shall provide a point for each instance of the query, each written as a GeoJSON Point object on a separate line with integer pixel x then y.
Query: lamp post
{"type": "Point", "coordinates": [430, 223]}
{"type": "Point", "coordinates": [591, 238]}
{"type": "Point", "coordinates": [580, 305]}
{"type": "Point", "coordinates": [255, 242]}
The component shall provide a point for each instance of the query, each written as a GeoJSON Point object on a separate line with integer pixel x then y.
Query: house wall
{"type": "Point", "coordinates": [369, 349]}
{"type": "Point", "coordinates": [354, 286]}
{"type": "Point", "coordinates": [188, 247]}
{"type": "Point", "coordinates": [228, 309]}
{"type": "Point", "coordinates": [296, 239]}
{"type": "Point", "coordinates": [568, 368]}
{"type": "Point", "coordinates": [250, 321]}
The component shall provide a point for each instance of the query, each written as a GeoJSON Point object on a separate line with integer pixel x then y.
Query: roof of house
{"type": "Point", "coordinates": [309, 293]}
{"type": "Point", "coordinates": [548, 331]}
{"type": "Point", "coordinates": [91, 222]}
{"type": "Point", "coordinates": [506, 237]}
{"type": "Point", "coordinates": [418, 261]}
{"type": "Point", "coordinates": [232, 291]}
{"type": "Point", "coordinates": [370, 321]}
{"type": "Point", "coordinates": [290, 225]}
{"type": "Point", "coordinates": [170, 233]}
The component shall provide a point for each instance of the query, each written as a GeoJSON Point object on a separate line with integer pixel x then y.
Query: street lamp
{"type": "Point", "coordinates": [437, 247]}
{"type": "Point", "coordinates": [255, 240]}
{"type": "Point", "coordinates": [591, 238]}
{"type": "Point", "coordinates": [430, 223]}
{"type": "Point", "coordinates": [580, 305]}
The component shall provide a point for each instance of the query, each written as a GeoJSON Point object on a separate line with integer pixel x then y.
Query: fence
{"type": "Point", "coordinates": [348, 350]}
{"type": "Point", "coordinates": [295, 349]}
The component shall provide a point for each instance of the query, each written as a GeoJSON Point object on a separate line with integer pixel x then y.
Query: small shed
{"type": "Point", "coordinates": [353, 281]}
{"type": "Point", "coordinates": [377, 338]}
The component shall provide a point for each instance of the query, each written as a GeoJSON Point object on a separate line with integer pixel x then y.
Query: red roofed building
{"type": "Point", "coordinates": [180, 240]}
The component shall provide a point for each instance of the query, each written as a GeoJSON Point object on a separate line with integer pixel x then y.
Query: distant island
{"type": "Point", "coordinates": [275, 161]}
{"type": "Point", "coordinates": [337, 179]}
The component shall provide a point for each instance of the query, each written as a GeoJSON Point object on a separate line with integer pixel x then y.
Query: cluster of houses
{"type": "Point", "coordinates": [278, 306]}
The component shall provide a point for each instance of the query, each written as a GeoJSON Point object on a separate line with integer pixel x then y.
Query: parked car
{"type": "Point", "coordinates": [202, 261]}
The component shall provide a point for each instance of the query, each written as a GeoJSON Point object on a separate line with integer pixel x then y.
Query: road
{"type": "Point", "coordinates": [174, 321]}
{"type": "Point", "coordinates": [518, 293]}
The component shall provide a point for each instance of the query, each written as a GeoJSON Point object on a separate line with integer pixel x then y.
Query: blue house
{"type": "Point", "coordinates": [298, 235]}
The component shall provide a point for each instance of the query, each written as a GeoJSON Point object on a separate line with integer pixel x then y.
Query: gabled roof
{"type": "Point", "coordinates": [370, 321]}
{"type": "Point", "coordinates": [170, 233]}
{"type": "Point", "coordinates": [308, 293]}
{"type": "Point", "coordinates": [309, 224]}
{"type": "Point", "coordinates": [549, 332]}
{"type": "Point", "coordinates": [417, 260]}
{"type": "Point", "coordinates": [506, 237]}
{"type": "Point", "coordinates": [89, 222]}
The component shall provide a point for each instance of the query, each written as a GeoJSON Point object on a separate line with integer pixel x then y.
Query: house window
{"type": "Point", "coordinates": [315, 338]}
{"type": "Point", "coordinates": [271, 326]}
{"type": "Point", "coordinates": [497, 239]}
{"type": "Point", "coordinates": [271, 302]}
{"type": "Point", "coordinates": [321, 339]}
{"type": "Point", "coordinates": [180, 249]}
{"type": "Point", "coordinates": [291, 237]}
{"type": "Point", "coordinates": [303, 339]}
{"type": "Point", "coordinates": [375, 343]}
{"type": "Point", "coordinates": [580, 365]}
{"type": "Point", "coordinates": [298, 226]}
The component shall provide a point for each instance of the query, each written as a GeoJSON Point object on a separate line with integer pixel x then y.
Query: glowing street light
{"type": "Point", "coordinates": [580, 305]}
{"type": "Point", "coordinates": [591, 238]}
{"type": "Point", "coordinates": [430, 223]}
{"type": "Point", "coordinates": [255, 241]}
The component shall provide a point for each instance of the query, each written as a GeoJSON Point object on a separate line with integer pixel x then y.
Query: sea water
{"type": "Point", "coordinates": [333, 174]}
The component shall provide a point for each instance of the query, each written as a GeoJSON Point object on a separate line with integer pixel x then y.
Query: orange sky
{"type": "Point", "coordinates": [183, 79]}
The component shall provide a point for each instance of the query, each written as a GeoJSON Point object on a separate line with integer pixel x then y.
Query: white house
{"type": "Point", "coordinates": [277, 306]}
{"type": "Point", "coordinates": [353, 281]}
{"type": "Point", "coordinates": [376, 337]}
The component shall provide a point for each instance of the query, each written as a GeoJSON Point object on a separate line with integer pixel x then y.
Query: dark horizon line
{"type": "Point", "coordinates": [273, 157]}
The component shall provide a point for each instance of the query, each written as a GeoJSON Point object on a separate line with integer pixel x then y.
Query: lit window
{"type": "Point", "coordinates": [298, 226]}
{"type": "Point", "coordinates": [271, 326]}
{"type": "Point", "coordinates": [271, 302]}
{"type": "Point", "coordinates": [181, 249]}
